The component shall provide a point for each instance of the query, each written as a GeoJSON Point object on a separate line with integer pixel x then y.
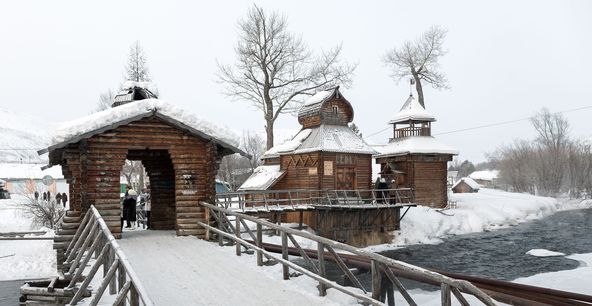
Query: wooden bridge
{"type": "Point", "coordinates": [185, 270]}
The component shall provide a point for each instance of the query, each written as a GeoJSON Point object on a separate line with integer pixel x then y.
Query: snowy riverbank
{"type": "Point", "coordinates": [21, 259]}
{"type": "Point", "coordinates": [486, 210]}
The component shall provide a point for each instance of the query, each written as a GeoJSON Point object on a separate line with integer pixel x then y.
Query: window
{"type": "Point", "coordinates": [335, 109]}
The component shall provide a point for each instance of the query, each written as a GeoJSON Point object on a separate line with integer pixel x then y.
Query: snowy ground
{"type": "Point", "coordinates": [24, 259]}
{"type": "Point", "coordinates": [206, 274]}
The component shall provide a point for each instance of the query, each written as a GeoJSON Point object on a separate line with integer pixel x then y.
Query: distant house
{"type": "Point", "coordinates": [28, 178]}
{"type": "Point", "coordinates": [222, 186]}
{"type": "Point", "coordinates": [486, 178]}
{"type": "Point", "coordinates": [465, 185]}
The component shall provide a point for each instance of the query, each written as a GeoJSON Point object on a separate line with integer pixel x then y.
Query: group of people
{"type": "Point", "coordinates": [60, 198]}
{"type": "Point", "coordinates": [136, 209]}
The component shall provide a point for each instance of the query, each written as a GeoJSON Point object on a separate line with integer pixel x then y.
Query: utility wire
{"type": "Point", "coordinates": [492, 124]}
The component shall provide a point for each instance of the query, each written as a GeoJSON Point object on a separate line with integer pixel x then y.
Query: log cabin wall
{"type": "Point", "coordinates": [337, 112]}
{"type": "Point", "coordinates": [427, 174]}
{"type": "Point", "coordinates": [181, 168]}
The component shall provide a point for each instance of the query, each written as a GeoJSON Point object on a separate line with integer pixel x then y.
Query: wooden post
{"type": "Point", "coordinates": [286, 270]}
{"type": "Point", "coordinates": [446, 299]}
{"type": "Point", "coordinates": [376, 281]}
{"type": "Point", "coordinates": [259, 244]}
{"type": "Point", "coordinates": [134, 298]}
{"type": "Point", "coordinates": [220, 237]}
{"type": "Point", "coordinates": [300, 221]}
{"type": "Point", "coordinates": [121, 281]}
{"type": "Point", "coordinates": [237, 234]}
{"type": "Point", "coordinates": [113, 283]}
{"type": "Point", "coordinates": [321, 259]}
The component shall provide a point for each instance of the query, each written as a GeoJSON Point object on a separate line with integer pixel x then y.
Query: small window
{"type": "Point", "coordinates": [335, 109]}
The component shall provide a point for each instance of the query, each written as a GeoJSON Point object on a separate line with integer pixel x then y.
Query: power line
{"type": "Point", "coordinates": [492, 124]}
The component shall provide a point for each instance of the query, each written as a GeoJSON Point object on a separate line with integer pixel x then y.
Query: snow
{"type": "Point", "coordinates": [469, 181]}
{"type": "Point", "coordinates": [576, 280]}
{"type": "Point", "coordinates": [334, 138]}
{"type": "Point", "coordinates": [485, 175]}
{"type": "Point", "coordinates": [21, 136]}
{"type": "Point", "coordinates": [206, 274]}
{"type": "Point", "coordinates": [475, 212]}
{"type": "Point", "coordinates": [262, 178]}
{"type": "Point", "coordinates": [28, 171]}
{"type": "Point", "coordinates": [319, 97]}
{"type": "Point", "coordinates": [412, 110]}
{"type": "Point", "coordinates": [414, 145]}
{"type": "Point", "coordinates": [95, 121]}
{"type": "Point", "coordinates": [25, 259]}
{"type": "Point", "coordinates": [145, 85]}
{"type": "Point", "coordinates": [289, 145]}
{"type": "Point", "coordinates": [544, 253]}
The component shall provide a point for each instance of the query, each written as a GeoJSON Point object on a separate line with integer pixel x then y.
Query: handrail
{"type": "Point", "coordinates": [381, 265]}
{"type": "Point", "coordinates": [108, 254]}
{"type": "Point", "coordinates": [270, 200]}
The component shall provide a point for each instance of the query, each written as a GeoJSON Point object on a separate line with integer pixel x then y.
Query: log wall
{"type": "Point", "coordinates": [181, 168]}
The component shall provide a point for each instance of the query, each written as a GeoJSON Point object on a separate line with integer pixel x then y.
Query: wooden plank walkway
{"type": "Point", "coordinates": [188, 271]}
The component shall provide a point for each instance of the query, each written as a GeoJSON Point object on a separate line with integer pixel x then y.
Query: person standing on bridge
{"type": "Point", "coordinates": [129, 208]}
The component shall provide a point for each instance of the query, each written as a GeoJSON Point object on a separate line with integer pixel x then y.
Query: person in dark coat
{"type": "Point", "coordinates": [36, 196]}
{"type": "Point", "coordinates": [129, 208]}
{"type": "Point", "coordinates": [64, 199]}
{"type": "Point", "coordinates": [58, 198]}
{"type": "Point", "coordinates": [382, 193]}
{"type": "Point", "coordinates": [44, 196]}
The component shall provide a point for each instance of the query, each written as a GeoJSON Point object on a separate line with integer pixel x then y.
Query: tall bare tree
{"type": "Point", "coordinates": [274, 68]}
{"type": "Point", "coordinates": [137, 65]}
{"type": "Point", "coordinates": [254, 146]}
{"type": "Point", "coordinates": [419, 60]}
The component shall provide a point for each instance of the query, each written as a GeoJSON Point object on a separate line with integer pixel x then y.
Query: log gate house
{"type": "Point", "coordinates": [180, 152]}
{"type": "Point", "coordinates": [331, 167]}
{"type": "Point", "coordinates": [413, 158]}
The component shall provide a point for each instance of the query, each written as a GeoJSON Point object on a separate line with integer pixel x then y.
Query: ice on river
{"type": "Point", "coordinates": [543, 253]}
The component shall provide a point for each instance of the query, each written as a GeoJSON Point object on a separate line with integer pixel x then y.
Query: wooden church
{"type": "Point", "coordinates": [413, 158]}
{"type": "Point", "coordinates": [325, 155]}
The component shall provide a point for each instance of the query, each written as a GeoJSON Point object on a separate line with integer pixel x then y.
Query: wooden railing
{"type": "Point", "coordinates": [385, 271]}
{"type": "Point", "coordinates": [270, 200]}
{"type": "Point", "coordinates": [412, 131]}
{"type": "Point", "coordinates": [93, 239]}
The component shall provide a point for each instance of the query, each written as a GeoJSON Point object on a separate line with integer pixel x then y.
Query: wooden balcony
{"type": "Point", "coordinates": [412, 131]}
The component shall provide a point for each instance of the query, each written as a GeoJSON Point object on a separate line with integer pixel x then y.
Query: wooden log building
{"type": "Point", "coordinates": [327, 155]}
{"type": "Point", "coordinates": [413, 158]}
{"type": "Point", "coordinates": [180, 153]}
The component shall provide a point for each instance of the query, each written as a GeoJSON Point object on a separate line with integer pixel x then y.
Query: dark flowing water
{"type": "Point", "coordinates": [502, 254]}
{"type": "Point", "coordinates": [9, 292]}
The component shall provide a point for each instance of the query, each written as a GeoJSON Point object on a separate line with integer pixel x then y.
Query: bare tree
{"type": "Point", "coordinates": [42, 213]}
{"type": "Point", "coordinates": [254, 146]}
{"type": "Point", "coordinates": [274, 68]}
{"type": "Point", "coordinates": [105, 101]}
{"type": "Point", "coordinates": [419, 60]}
{"type": "Point", "coordinates": [137, 66]}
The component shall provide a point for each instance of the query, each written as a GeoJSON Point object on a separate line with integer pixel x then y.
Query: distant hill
{"type": "Point", "coordinates": [21, 136]}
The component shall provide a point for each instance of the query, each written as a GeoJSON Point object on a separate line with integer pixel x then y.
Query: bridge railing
{"type": "Point", "coordinates": [386, 272]}
{"type": "Point", "coordinates": [94, 239]}
{"type": "Point", "coordinates": [301, 198]}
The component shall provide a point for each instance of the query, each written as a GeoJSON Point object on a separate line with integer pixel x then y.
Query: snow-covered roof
{"type": "Point", "coordinates": [11, 171]}
{"type": "Point", "coordinates": [485, 175]}
{"type": "Point", "coordinates": [74, 131]}
{"type": "Point", "coordinates": [314, 104]}
{"type": "Point", "coordinates": [469, 181]}
{"type": "Point", "coordinates": [414, 145]}
{"type": "Point", "coordinates": [412, 110]}
{"type": "Point", "coordinates": [326, 138]}
{"type": "Point", "coordinates": [263, 178]}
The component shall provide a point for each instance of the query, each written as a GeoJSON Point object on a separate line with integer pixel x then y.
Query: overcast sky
{"type": "Point", "coordinates": [506, 59]}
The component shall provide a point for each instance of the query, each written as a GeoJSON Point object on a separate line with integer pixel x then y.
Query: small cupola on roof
{"type": "Point", "coordinates": [412, 120]}
{"type": "Point", "coordinates": [134, 91]}
{"type": "Point", "coordinates": [326, 107]}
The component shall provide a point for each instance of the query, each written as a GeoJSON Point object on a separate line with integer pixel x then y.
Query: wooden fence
{"type": "Point", "coordinates": [93, 239]}
{"type": "Point", "coordinates": [274, 200]}
{"type": "Point", "coordinates": [383, 277]}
